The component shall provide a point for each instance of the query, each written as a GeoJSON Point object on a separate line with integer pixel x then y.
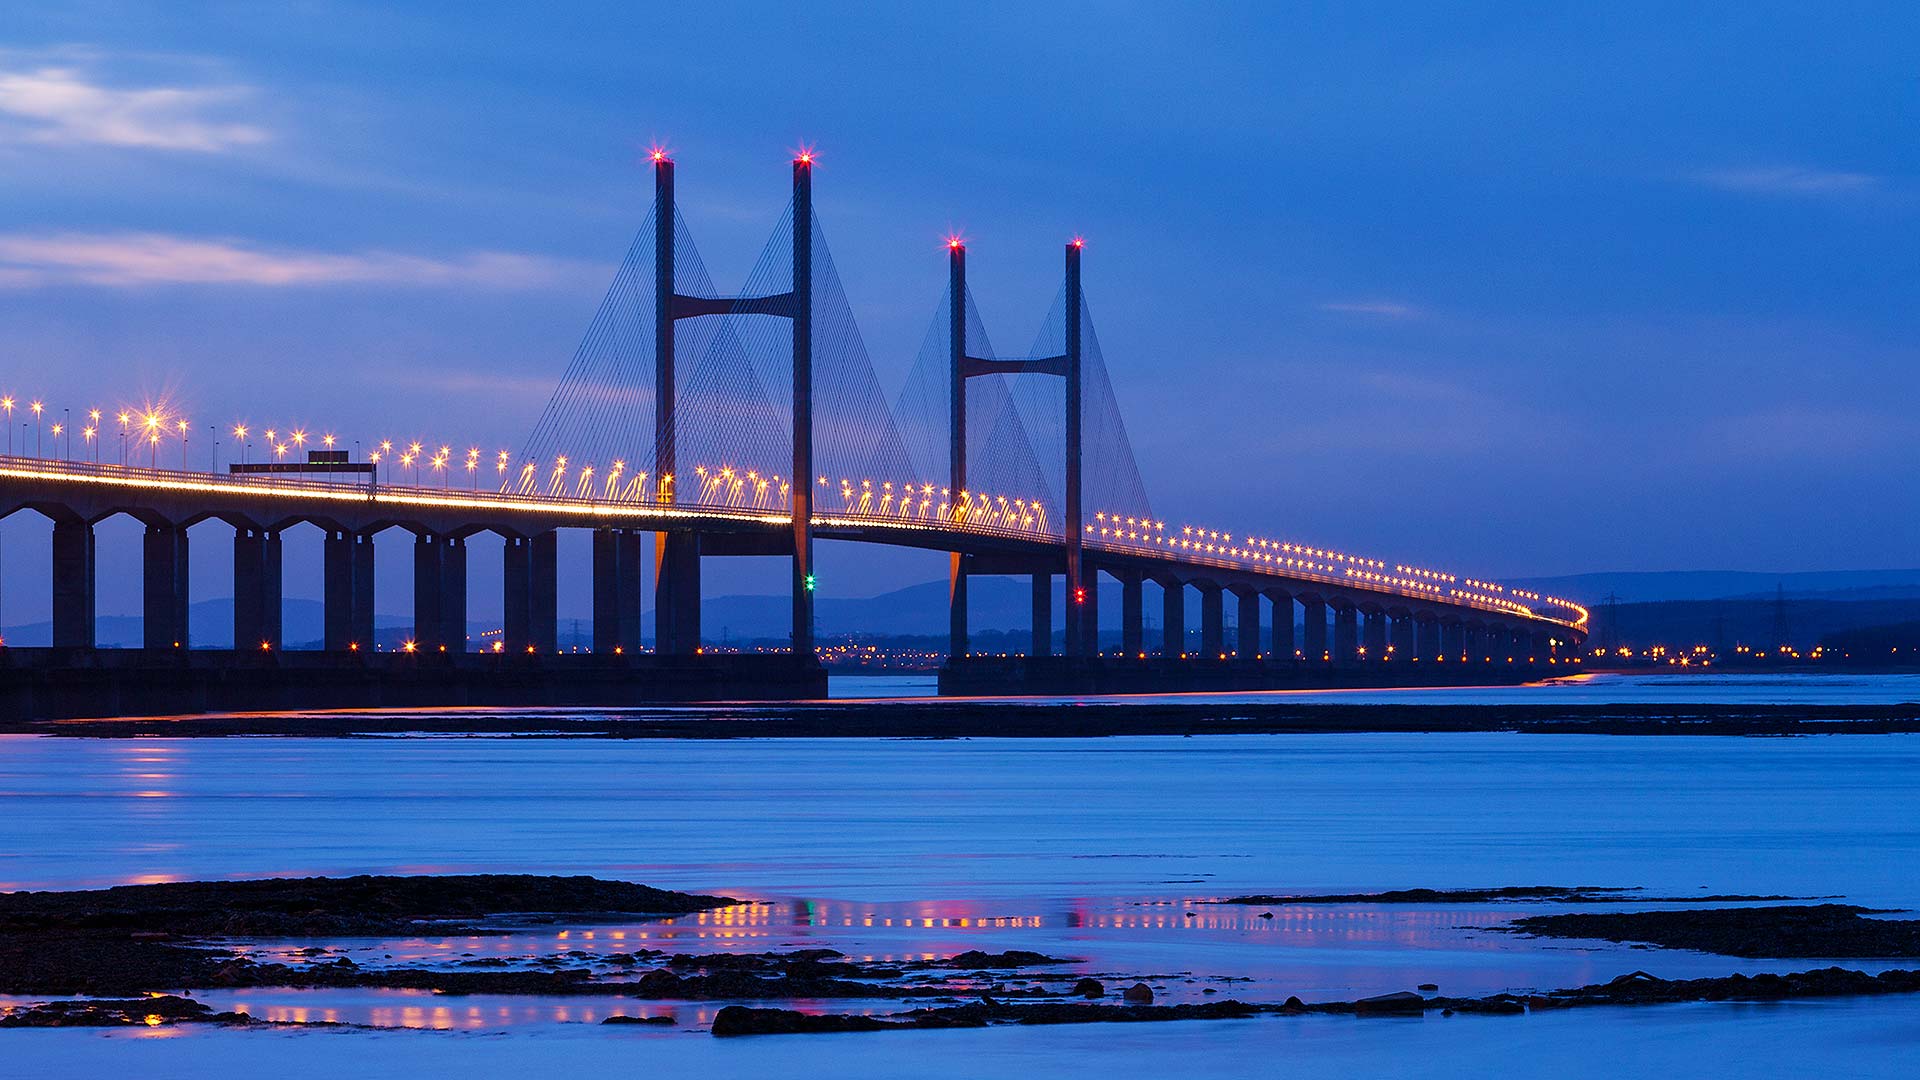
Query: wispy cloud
{"type": "Point", "coordinates": [63, 102]}
{"type": "Point", "coordinates": [123, 260]}
{"type": "Point", "coordinates": [1379, 309]}
{"type": "Point", "coordinates": [1787, 180]}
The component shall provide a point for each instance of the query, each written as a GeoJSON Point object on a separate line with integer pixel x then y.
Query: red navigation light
{"type": "Point", "coordinates": [1079, 241]}
{"type": "Point", "coordinates": [955, 243]}
{"type": "Point", "coordinates": [804, 155]}
{"type": "Point", "coordinates": [658, 154]}
{"type": "Point", "coordinates": [1079, 596]}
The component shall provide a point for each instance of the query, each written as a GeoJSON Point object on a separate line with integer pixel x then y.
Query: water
{"type": "Point", "coordinates": [1604, 688]}
{"type": "Point", "coordinates": [1093, 849]}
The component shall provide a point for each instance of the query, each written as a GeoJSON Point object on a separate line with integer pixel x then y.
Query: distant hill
{"type": "Point", "coordinates": [210, 622]}
{"type": "Point", "coordinates": [1751, 621]}
{"type": "Point", "coordinates": [1641, 587]}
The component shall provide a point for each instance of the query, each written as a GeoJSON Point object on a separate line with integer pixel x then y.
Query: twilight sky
{"type": "Point", "coordinates": [1512, 290]}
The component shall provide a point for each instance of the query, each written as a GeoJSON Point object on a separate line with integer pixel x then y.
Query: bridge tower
{"type": "Point", "coordinates": [1081, 620]}
{"type": "Point", "coordinates": [677, 555]}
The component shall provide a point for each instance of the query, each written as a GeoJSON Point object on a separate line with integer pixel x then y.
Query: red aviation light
{"type": "Point", "coordinates": [1078, 242]}
{"type": "Point", "coordinates": [1079, 596]}
{"type": "Point", "coordinates": [804, 155]}
{"type": "Point", "coordinates": [956, 243]}
{"type": "Point", "coordinates": [659, 154]}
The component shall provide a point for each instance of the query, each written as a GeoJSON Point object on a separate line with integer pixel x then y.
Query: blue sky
{"type": "Point", "coordinates": [1510, 288]}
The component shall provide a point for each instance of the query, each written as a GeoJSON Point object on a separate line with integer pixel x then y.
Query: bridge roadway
{"type": "Point", "coordinates": [1380, 616]}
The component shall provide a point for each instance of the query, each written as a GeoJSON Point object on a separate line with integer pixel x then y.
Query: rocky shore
{"type": "Point", "coordinates": [1825, 931]}
{"type": "Point", "coordinates": [136, 955]}
{"type": "Point", "coordinates": [1636, 988]}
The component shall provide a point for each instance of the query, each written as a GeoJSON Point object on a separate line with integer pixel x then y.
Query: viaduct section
{"type": "Point", "coordinates": [1300, 617]}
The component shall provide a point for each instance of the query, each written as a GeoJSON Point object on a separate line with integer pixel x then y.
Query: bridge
{"type": "Point", "coordinates": [692, 424]}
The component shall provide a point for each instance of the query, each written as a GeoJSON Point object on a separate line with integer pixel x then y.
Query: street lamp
{"type": "Point", "coordinates": [7, 404]}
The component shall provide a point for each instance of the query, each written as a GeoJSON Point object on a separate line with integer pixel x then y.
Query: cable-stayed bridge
{"type": "Point", "coordinates": [692, 423]}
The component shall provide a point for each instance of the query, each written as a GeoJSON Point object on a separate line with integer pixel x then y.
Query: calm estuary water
{"type": "Point", "coordinates": [1094, 849]}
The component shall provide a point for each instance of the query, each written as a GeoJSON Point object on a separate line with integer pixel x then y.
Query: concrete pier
{"type": "Point", "coordinates": [453, 594]}
{"type": "Point", "coordinates": [1374, 635]}
{"type": "Point", "coordinates": [256, 588]}
{"type": "Point", "coordinates": [1404, 647]}
{"type": "Point", "coordinates": [516, 594]}
{"type": "Point", "coordinates": [1284, 646]}
{"type": "Point", "coordinates": [346, 591]}
{"type": "Point", "coordinates": [1133, 631]}
{"type": "Point", "coordinates": [1314, 644]}
{"type": "Point", "coordinates": [618, 568]}
{"type": "Point", "coordinates": [73, 584]}
{"type": "Point", "coordinates": [676, 592]}
{"type": "Point", "coordinates": [543, 575]}
{"type": "Point", "coordinates": [427, 625]}
{"type": "Point", "coordinates": [1088, 610]}
{"type": "Point", "coordinates": [1173, 619]}
{"type": "Point", "coordinates": [1247, 612]}
{"type": "Point", "coordinates": [1213, 621]}
{"type": "Point", "coordinates": [164, 586]}
{"type": "Point", "coordinates": [1346, 634]}
{"type": "Point", "coordinates": [1427, 639]}
{"type": "Point", "coordinates": [1042, 619]}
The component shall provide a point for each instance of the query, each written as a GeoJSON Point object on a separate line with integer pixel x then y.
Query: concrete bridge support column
{"type": "Point", "coordinates": [607, 573]}
{"type": "Point", "coordinates": [1283, 643]}
{"type": "Point", "coordinates": [1133, 616]}
{"type": "Point", "coordinates": [428, 587]}
{"type": "Point", "coordinates": [256, 589]}
{"type": "Point", "coordinates": [632, 585]}
{"type": "Point", "coordinates": [1453, 641]}
{"type": "Point", "coordinates": [1088, 609]}
{"type": "Point", "coordinates": [1173, 618]}
{"type": "Point", "coordinates": [1247, 603]}
{"type": "Point", "coordinates": [1213, 621]}
{"type": "Point", "coordinates": [73, 585]}
{"type": "Point", "coordinates": [516, 594]}
{"type": "Point", "coordinates": [1542, 647]}
{"type": "Point", "coordinates": [1346, 634]}
{"type": "Point", "coordinates": [1314, 640]}
{"type": "Point", "coordinates": [164, 587]}
{"type": "Point", "coordinates": [1042, 616]}
{"type": "Point", "coordinates": [1374, 636]}
{"type": "Point", "coordinates": [346, 591]}
{"type": "Point", "coordinates": [1474, 645]}
{"type": "Point", "coordinates": [1427, 645]}
{"type": "Point", "coordinates": [959, 634]}
{"type": "Point", "coordinates": [543, 589]}
{"type": "Point", "coordinates": [1403, 644]}
{"type": "Point", "coordinates": [453, 594]}
{"type": "Point", "coordinates": [676, 590]}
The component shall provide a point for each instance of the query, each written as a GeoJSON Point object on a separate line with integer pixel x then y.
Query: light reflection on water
{"type": "Point", "coordinates": [1319, 952]}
